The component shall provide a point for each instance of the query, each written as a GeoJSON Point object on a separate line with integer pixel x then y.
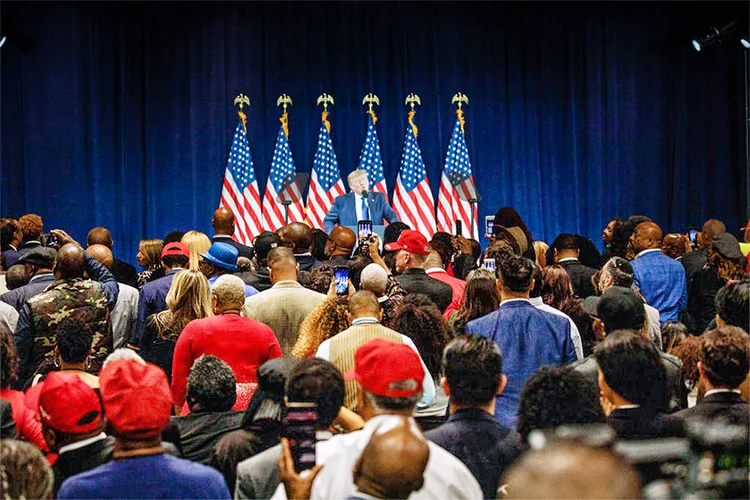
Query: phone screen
{"type": "Point", "coordinates": [693, 235]}
{"type": "Point", "coordinates": [459, 228]}
{"type": "Point", "coordinates": [489, 264]}
{"type": "Point", "coordinates": [341, 279]}
{"type": "Point", "coordinates": [299, 427]}
{"type": "Point", "coordinates": [364, 228]}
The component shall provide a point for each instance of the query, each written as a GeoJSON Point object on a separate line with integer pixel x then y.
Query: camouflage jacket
{"type": "Point", "coordinates": [87, 303]}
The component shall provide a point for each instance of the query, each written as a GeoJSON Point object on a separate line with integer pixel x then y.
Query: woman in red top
{"type": "Point", "coordinates": [29, 427]}
{"type": "Point", "coordinates": [242, 343]}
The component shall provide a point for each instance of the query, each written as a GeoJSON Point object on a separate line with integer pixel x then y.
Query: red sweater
{"type": "Point", "coordinates": [242, 343]}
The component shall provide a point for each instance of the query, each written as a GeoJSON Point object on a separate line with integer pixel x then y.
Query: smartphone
{"type": "Point", "coordinates": [300, 426]}
{"type": "Point", "coordinates": [459, 228]}
{"type": "Point", "coordinates": [50, 239]}
{"type": "Point", "coordinates": [341, 280]}
{"type": "Point", "coordinates": [489, 223]}
{"type": "Point", "coordinates": [489, 264]}
{"type": "Point", "coordinates": [364, 229]}
{"type": "Point", "coordinates": [693, 235]}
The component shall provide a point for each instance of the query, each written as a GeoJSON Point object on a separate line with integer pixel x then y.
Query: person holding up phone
{"type": "Point", "coordinates": [359, 204]}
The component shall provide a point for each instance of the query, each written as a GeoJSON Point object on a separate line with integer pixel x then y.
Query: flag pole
{"type": "Point", "coordinates": [460, 99]}
{"type": "Point", "coordinates": [325, 99]}
{"type": "Point", "coordinates": [284, 100]}
{"type": "Point", "coordinates": [242, 100]}
{"type": "Point", "coordinates": [411, 100]}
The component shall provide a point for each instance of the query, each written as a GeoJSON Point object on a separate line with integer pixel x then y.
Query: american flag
{"type": "Point", "coordinates": [326, 183]}
{"type": "Point", "coordinates": [370, 159]}
{"type": "Point", "coordinates": [282, 167]}
{"type": "Point", "coordinates": [456, 175]}
{"type": "Point", "coordinates": [240, 190]}
{"type": "Point", "coordinates": [412, 198]}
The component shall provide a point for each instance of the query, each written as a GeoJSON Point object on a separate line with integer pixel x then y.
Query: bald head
{"type": "Point", "coordinates": [341, 241]}
{"type": "Point", "coordinates": [392, 464]}
{"type": "Point", "coordinates": [102, 254]}
{"type": "Point", "coordinates": [70, 262]}
{"type": "Point", "coordinates": [298, 236]}
{"type": "Point", "coordinates": [646, 236]}
{"type": "Point", "coordinates": [223, 221]}
{"type": "Point", "coordinates": [281, 265]}
{"type": "Point", "coordinates": [99, 236]}
{"type": "Point", "coordinates": [364, 304]}
{"type": "Point", "coordinates": [674, 245]}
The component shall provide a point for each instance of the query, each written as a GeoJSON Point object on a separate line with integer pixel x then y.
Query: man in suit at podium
{"type": "Point", "coordinates": [359, 204]}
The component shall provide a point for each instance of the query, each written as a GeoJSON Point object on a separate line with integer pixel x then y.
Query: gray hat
{"type": "Point", "coordinates": [727, 246]}
{"type": "Point", "coordinates": [43, 257]}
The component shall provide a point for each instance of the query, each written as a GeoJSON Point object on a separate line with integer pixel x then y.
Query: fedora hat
{"type": "Point", "coordinates": [222, 255]}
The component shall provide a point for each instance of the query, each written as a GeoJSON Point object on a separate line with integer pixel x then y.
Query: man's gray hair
{"type": "Point", "coordinates": [374, 279]}
{"type": "Point", "coordinates": [354, 175]}
{"type": "Point", "coordinates": [123, 353]}
{"type": "Point", "coordinates": [229, 289]}
{"type": "Point", "coordinates": [386, 404]}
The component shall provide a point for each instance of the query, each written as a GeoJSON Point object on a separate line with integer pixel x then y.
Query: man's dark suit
{"type": "Point", "coordinates": [727, 405]}
{"type": "Point", "coordinates": [11, 256]}
{"type": "Point", "coordinates": [74, 462]}
{"type": "Point", "coordinates": [344, 211]}
{"type": "Point", "coordinates": [20, 295]}
{"type": "Point", "coordinates": [675, 380]}
{"type": "Point", "coordinates": [580, 277]}
{"type": "Point", "coordinates": [124, 273]}
{"type": "Point", "coordinates": [637, 423]}
{"type": "Point", "coordinates": [307, 262]}
{"type": "Point", "coordinates": [242, 250]}
{"type": "Point", "coordinates": [417, 281]}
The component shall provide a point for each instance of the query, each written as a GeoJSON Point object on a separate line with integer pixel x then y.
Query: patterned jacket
{"type": "Point", "coordinates": [87, 303]}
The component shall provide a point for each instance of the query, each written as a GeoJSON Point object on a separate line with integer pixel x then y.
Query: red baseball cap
{"type": "Point", "coordinates": [388, 369]}
{"type": "Point", "coordinates": [136, 396]}
{"type": "Point", "coordinates": [175, 248]}
{"type": "Point", "coordinates": [411, 241]}
{"type": "Point", "coordinates": [68, 404]}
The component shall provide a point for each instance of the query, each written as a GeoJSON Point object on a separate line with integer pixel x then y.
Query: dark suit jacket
{"type": "Point", "coordinates": [307, 262]}
{"type": "Point", "coordinates": [20, 295]}
{"type": "Point", "coordinates": [242, 250]}
{"type": "Point", "coordinates": [76, 461]}
{"type": "Point", "coordinates": [124, 273]}
{"type": "Point", "coordinates": [694, 262]}
{"type": "Point", "coordinates": [416, 281]}
{"type": "Point", "coordinates": [580, 277]}
{"type": "Point", "coordinates": [258, 278]}
{"type": "Point", "coordinates": [675, 380]}
{"type": "Point", "coordinates": [474, 437]}
{"type": "Point", "coordinates": [11, 257]}
{"type": "Point", "coordinates": [727, 405]}
{"type": "Point", "coordinates": [636, 423]}
{"type": "Point", "coordinates": [28, 247]}
{"type": "Point", "coordinates": [344, 212]}
{"type": "Point", "coordinates": [7, 424]}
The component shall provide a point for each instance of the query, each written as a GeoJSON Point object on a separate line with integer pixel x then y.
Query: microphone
{"type": "Point", "coordinates": [365, 193]}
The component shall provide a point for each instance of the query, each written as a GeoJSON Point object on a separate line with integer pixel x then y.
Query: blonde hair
{"type": "Point", "coordinates": [541, 248]}
{"type": "Point", "coordinates": [328, 319]}
{"type": "Point", "coordinates": [197, 243]}
{"type": "Point", "coordinates": [188, 298]}
{"type": "Point", "coordinates": [151, 250]}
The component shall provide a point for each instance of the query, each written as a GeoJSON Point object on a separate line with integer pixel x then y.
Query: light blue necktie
{"type": "Point", "coordinates": [365, 211]}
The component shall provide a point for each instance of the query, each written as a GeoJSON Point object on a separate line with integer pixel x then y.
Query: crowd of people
{"type": "Point", "coordinates": [443, 371]}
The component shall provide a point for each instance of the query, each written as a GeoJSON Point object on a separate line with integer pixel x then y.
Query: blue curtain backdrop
{"type": "Point", "coordinates": [120, 114]}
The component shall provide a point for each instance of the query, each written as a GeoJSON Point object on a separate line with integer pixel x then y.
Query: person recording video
{"type": "Point", "coordinates": [359, 204]}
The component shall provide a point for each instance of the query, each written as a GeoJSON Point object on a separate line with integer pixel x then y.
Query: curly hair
{"type": "Point", "coordinates": [328, 319]}
{"type": "Point", "coordinates": [31, 226]}
{"type": "Point", "coordinates": [319, 279]}
{"type": "Point", "coordinates": [689, 352]}
{"type": "Point", "coordinates": [724, 354]}
{"type": "Point", "coordinates": [727, 269]}
{"type": "Point", "coordinates": [8, 358]}
{"type": "Point", "coordinates": [480, 298]}
{"type": "Point", "coordinates": [556, 396]}
{"type": "Point", "coordinates": [24, 472]}
{"type": "Point", "coordinates": [419, 319]}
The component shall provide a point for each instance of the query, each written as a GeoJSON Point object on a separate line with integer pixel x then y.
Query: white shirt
{"type": "Point", "coordinates": [428, 385]}
{"type": "Point", "coordinates": [445, 475]}
{"type": "Point", "coordinates": [717, 391]}
{"type": "Point", "coordinates": [8, 316]}
{"type": "Point", "coordinates": [575, 335]}
{"type": "Point", "coordinates": [81, 444]}
{"type": "Point", "coordinates": [358, 207]}
{"type": "Point", "coordinates": [567, 259]}
{"type": "Point", "coordinates": [647, 251]}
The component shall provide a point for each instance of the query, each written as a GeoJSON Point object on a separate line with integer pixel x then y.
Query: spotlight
{"type": "Point", "coordinates": [714, 35]}
{"type": "Point", "coordinates": [745, 43]}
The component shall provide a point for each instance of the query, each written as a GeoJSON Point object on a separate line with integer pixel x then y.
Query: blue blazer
{"type": "Point", "coordinates": [344, 212]}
